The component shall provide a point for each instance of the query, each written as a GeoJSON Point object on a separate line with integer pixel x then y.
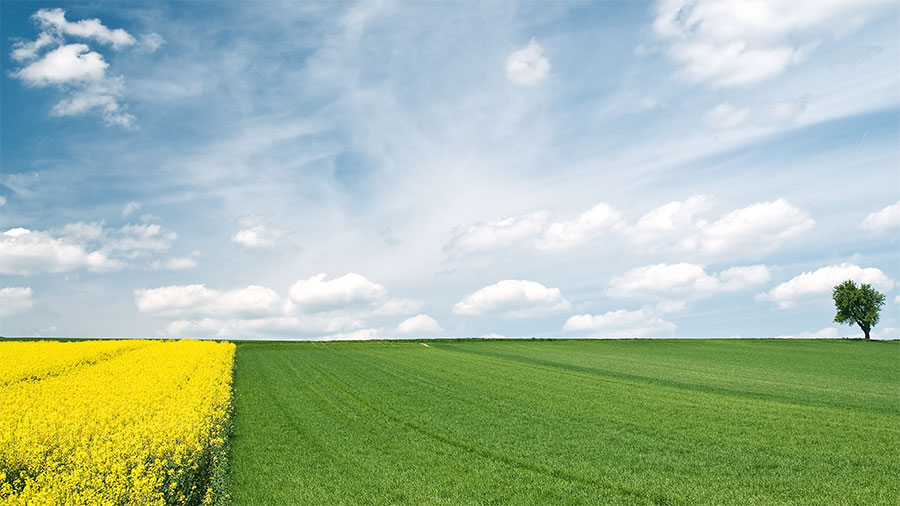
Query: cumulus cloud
{"type": "Point", "coordinates": [725, 116]}
{"type": "Point", "coordinates": [527, 66]}
{"type": "Point", "coordinates": [320, 309]}
{"type": "Point", "coordinates": [290, 327]}
{"type": "Point", "coordinates": [54, 20]}
{"type": "Point", "coordinates": [744, 42]}
{"type": "Point", "coordinates": [315, 308]}
{"type": "Point", "coordinates": [590, 224]}
{"type": "Point", "coordinates": [621, 323]}
{"type": "Point", "coordinates": [317, 294]}
{"type": "Point", "coordinates": [751, 231]}
{"type": "Point", "coordinates": [2, 201]}
{"type": "Point", "coordinates": [257, 237]}
{"type": "Point", "coordinates": [759, 228]}
{"type": "Point", "coordinates": [500, 233]}
{"type": "Point", "coordinates": [852, 332]}
{"type": "Point", "coordinates": [15, 299]}
{"type": "Point", "coordinates": [356, 335]}
{"type": "Point", "coordinates": [827, 332]}
{"type": "Point", "coordinates": [513, 298]}
{"type": "Point", "coordinates": [29, 50]}
{"type": "Point", "coordinates": [80, 246]}
{"type": "Point", "coordinates": [197, 300]}
{"type": "Point", "coordinates": [674, 285]}
{"type": "Point", "coordinates": [884, 220]}
{"type": "Point", "coordinates": [669, 223]}
{"type": "Point", "coordinates": [75, 69]}
{"type": "Point", "coordinates": [818, 285]}
{"type": "Point", "coordinates": [26, 252]}
{"type": "Point", "coordinates": [71, 62]}
{"type": "Point", "coordinates": [420, 324]}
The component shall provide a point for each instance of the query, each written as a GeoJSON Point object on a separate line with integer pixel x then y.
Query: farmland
{"type": "Point", "coordinates": [114, 422]}
{"type": "Point", "coordinates": [566, 422]}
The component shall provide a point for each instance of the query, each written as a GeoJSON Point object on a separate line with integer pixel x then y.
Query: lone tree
{"type": "Point", "coordinates": [859, 305]}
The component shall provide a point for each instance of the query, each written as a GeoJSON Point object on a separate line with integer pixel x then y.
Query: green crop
{"type": "Point", "coordinates": [567, 422]}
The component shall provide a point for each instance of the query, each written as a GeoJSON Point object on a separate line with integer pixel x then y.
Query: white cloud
{"type": "Point", "coordinates": [500, 233]}
{"type": "Point", "coordinates": [317, 294]}
{"type": "Point", "coordinates": [130, 208]}
{"type": "Point", "coordinates": [751, 231]}
{"type": "Point", "coordinates": [759, 228]}
{"type": "Point", "coordinates": [852, 332]}
{"type": "Point", "coordinates": [24, 51]}
{"type": "Point", "coordinates": [674, 285]}
{"type": "Point", "coordinates": [420, 324]}
{"type": "Point", "coordinates": [80, 246]}
{"type": "Point", "coordinates": [589, 225]}
{"type": "Point", "coordinates": [738, 278]}
{"type": "Point", "coordinates": [317, 309]}
{"type": "Point", "coordinates": [15, 299]}
{"type": "Point", "coordinates": [670, 222]}
{"type": "Point", "coordinates": [884, 220]}
{"type": "Point", "coordinates": [197, 300]}
{"type": "Point", "coordinates": [102, 95]}
{"type": "Point", "coordinates": [291, 327]}
{"type": "Point", "coordinates": [356, 335]}
{"type": "Point", "coordinates": [817, 285]}
{"type": "Point", "coordinates": [71, 62]}
{"type": "Point", "coordinates": [527, 66]}
{"type": "Point", "coordinates": [747, 41]}
{"type": "Point", "coordinates": [621, 323]}
{"type": "Point", "coordinates": [26, 252]}
{"type": "Point", "coordinates": [2, 201]}
{"type": "Point", "coordinates": [55, 20]}
{"type": "Point", "coordinates": [827, 332]}
{"type": "Point", "coordinates": [725, 116]}
{"type": "Point", "coordinates": [257, 237]}
{"type": "Point", "coordinates": [75, 69]}
{"type": "Point", "coordinates": [513, 298]}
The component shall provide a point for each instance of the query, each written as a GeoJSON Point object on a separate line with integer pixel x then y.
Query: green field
{"type": "Point", "coordinates": [567, 422]}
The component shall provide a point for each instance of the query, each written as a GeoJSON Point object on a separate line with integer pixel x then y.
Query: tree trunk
{"type": "Point", "coordinates": [866, 332]}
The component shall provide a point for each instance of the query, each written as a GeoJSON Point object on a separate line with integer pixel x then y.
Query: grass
{"type": "Point", "coordinates": [567, 422]}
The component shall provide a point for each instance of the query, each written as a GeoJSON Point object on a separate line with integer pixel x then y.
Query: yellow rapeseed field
{"type": "Point", "coordinates": [114, 422]}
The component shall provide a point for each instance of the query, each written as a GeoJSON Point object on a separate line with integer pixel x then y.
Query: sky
{"type": "Point", "coordinates": [381, 169]}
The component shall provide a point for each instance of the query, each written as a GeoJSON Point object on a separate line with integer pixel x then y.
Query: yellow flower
{"type": "Point", "coordinates": [112, 422]}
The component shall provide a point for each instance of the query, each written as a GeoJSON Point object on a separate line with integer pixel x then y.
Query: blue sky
{"type": "Point", "coordinates": [396, 169]}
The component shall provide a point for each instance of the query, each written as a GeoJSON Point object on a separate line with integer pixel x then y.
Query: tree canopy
{"type": "Point", "coordinates": [857, 304]}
